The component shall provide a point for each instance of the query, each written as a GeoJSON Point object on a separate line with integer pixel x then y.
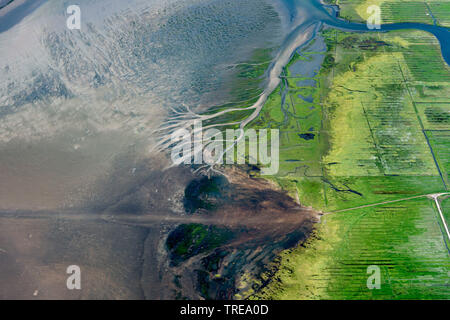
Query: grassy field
{"type": "Point", "coordinates": [374, 129]}
{"type": "Point", "coordinates": [403, 239]}
{"type": "Point", "coordinates": [398, 10]}
{"type": "Point", "coordinates": [188, 240]}
{"type": "Point", "coordinates": [368, 124]}
{"type": "Point", "coordinates": [446, 210]}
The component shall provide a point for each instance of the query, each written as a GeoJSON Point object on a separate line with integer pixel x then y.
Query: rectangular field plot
{"type": "Point", "coordinates": [423, 59]}
{"type": "Point", "coordinates": [426, 64]}
{"type": "Point", "coordinates": [374, 127]}
{"type": "Point", "coordinates": [430, 92]}
{"type": "Point", "coordinates": [411, 11]}
{"type": "Point", "coordinates": [398, 10]}
{"type": "Point", "coordinates": [401, 146]}
{"type": "Point", "coordinates": [403, 240]}
{"type": "Point", "coordinates": [298, 156]}
{"type": "Point", "coordinates": [351, 192]}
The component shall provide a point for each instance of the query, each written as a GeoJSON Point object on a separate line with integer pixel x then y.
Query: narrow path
{"type": "Point", "coordinates": [433, 196]}
{"type": "Point", "coordinates": [438, 205]}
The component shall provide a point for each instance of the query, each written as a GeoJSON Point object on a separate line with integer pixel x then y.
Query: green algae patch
{"type": "Point", "coordinates": [188, 240]}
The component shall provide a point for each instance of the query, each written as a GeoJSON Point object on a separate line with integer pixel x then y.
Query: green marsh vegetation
{"type": "Point", "coordinates": [398, 11]}
{"type": "Point", "coordinates": [381, 133]}
{"type": "Point", "coordinates": [369, 126]}
{"type": "Point", "coordinates": [446, 209]}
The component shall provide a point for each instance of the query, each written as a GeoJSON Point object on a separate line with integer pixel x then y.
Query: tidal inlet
{"type": "Point", "coordinates": [136, 139]}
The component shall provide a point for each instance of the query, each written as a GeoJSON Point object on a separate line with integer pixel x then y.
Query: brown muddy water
{"type": "Point", "coordinates": [158, 240]}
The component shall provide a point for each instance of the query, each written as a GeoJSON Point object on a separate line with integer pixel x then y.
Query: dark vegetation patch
{"type": "Point", "coordinates": [437, 115]}
{"type": "Point", "coordinates": [307, 136]}
{"type": "Point", "coordinates": [204, 193]}
{"type": "Point", "coordinates": [293, 239]}
{"type": "Point", "coordinates": [329, 62]}
{"type": "Point", "coordinates": [188, 240]}
{"type": "Point", "coordinates": [371, 44]}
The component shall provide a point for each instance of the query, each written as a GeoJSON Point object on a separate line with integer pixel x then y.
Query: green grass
{"type": "Point", "coordinates": [440, 142]}
{"type": "Point", "coordinates": [373, 125]}
{"type": "Point", "coordinates": [365, 138]}
{"type": "Point", "coordinates": [372, 130]}
{"type": "Point", "coordinates": [445, 207]}
{"type": "Point", "coordinates": [441, 10]}
{"type": "Point", "coordinates": [379, 189]}
{"type": "Point", "coordinates": [398, 10]}
{"type": "Point", "coordinates": [403, 239]}
{"type": "Point", "coordinates": [371, 108]}
{"type": "Point", "coordinates": [435, 116]}
{"type": "Point", "coordinates": [299, 121]}
{"type": "Point", "coordinates": [188, 240]}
